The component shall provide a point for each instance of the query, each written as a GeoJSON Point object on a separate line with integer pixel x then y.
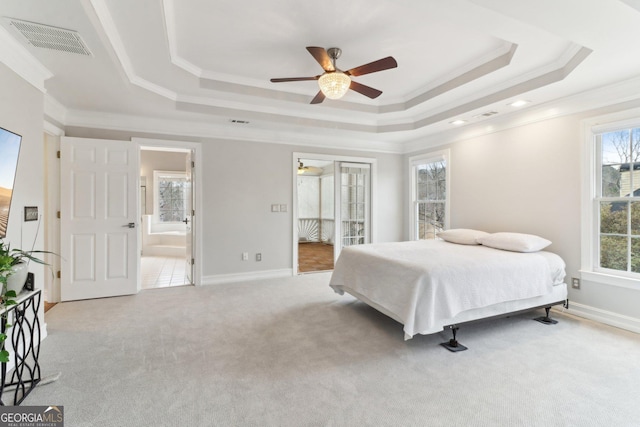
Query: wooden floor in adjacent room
{"type": "Point", "coordinates": [314, 257]}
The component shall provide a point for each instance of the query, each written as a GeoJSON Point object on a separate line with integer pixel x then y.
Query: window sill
{"type": "Point", "coordinates": [610, 279]}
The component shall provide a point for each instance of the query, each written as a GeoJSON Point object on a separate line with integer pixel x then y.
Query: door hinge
{"type": "Point", "coordinates": [193, 261]}
{"type": "Point", "coordinates": [193, 164]}
{"type": "Point", "coordinates": [58, 214]}
{"type": "Point", "coordinates": [58, 154]}
{"type": "Point", "coordinates": [193, 212]}
{"type": "Point", "coordinates": [59, 274]}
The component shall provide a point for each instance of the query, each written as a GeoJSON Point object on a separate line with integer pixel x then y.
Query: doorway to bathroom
{"type": "Point", "coordinates": [166, 207]}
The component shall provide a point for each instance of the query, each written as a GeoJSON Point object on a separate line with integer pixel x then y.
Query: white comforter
{"type": "Point", "coordinates": [418, 283]}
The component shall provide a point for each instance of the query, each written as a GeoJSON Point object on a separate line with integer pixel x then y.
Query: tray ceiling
{"type": "Point", "coordinates": [208, 64]}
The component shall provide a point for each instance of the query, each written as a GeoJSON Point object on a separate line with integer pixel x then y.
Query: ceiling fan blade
{"type": "Point", "coordinates": [294, 79]}
{"type": "Point", "coordinates": [365, 90]}
{"type": "Point", "coordinates": [318, 98]}
{"type": "Point", "coordinates": [372, 67]}
{"type": "Point", "coordinates": [320, 54]}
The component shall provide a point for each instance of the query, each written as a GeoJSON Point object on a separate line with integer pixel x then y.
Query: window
{"type": "Point", "coordinates": [430, 207]}
{"type": "Point", "coordinates": [617, 200]}
{"type": "Point", "coordinates": [170, 196]}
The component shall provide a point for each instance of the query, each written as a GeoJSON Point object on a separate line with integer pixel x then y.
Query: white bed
{"type": "Point", "coordinates": [428, 285]}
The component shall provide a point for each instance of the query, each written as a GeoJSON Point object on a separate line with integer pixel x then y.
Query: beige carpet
{"type": "Point", "coordinates": [290, 352]}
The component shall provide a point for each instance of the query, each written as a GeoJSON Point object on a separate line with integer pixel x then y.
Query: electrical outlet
{"type": "Point", "coordinates": [245, 256]}
{"type": "Point", "coordinates": [575, 283]}
{"type": "Point", "coordinates": [258, 257]}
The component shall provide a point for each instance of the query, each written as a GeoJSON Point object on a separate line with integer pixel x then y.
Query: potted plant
{"type": "Point", "coordinates": [14, 267]}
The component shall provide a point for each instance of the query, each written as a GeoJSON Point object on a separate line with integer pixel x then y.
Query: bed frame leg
{"type": "Point", "coordinates": [546, 319]}
{"type": "Point", "coordinates": [453, 344]}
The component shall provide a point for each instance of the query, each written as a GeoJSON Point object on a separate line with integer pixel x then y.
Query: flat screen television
{"type": "Point", "coordinates": [9, 151]}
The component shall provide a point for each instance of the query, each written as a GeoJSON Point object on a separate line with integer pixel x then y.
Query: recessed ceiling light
{"type": "Point", "coordinates": [458, 122]}
{"type": "Point", "coordinates": [519, 103]}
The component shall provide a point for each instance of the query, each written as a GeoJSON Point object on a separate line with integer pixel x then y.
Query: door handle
{"type": "Point", "coordinates": [130, 225]}
{"type": "Point", "coordinates": [186, 220]}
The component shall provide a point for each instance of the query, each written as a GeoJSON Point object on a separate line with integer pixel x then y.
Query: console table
{"type": "Point", "coordinates": [24, 336]}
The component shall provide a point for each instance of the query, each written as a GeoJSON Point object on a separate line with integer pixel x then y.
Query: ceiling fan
{"type": "Point", "coordinates": [311, 170]}
{"type": "Point", "coordinates": [334, 83]}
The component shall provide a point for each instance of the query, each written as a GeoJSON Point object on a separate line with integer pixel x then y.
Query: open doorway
{"type": "Point", "coordinates": [165, 207]}
{"type": "Point", "coordinates": [316, 221]}
{"type": "Point", "coordinates": [332, 208]}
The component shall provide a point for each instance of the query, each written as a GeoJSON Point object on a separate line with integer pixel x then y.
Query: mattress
{"type": "Point", "coordinates": [429, 284]}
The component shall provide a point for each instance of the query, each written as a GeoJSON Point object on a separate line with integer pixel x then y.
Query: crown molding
{"type": "Point", "coordinates": [15, 56]}
{"type": "Point", "coordinates": [54, 109]}
{"type": "Point", "coordinates": [331, 138]}
{"type": "Point", "coordinates": [593, 102]}
{"type": "Point", "coordinates": [108, 26]}
{"type": "Point", "coordinates": [52, 129]}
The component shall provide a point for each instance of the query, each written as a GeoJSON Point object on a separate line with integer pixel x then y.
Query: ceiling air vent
{"type": "Point", "coordinates": [48, 37]}
{"type": "Point", "coordinates": [487, 114]}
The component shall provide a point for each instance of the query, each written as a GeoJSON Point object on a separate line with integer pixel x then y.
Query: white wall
{"type": "Point", "coordinates": [525, 180]}
{"type": "Point", "coordinates": [242, 179]}
{"type": "Point", "coordinates": [21, 111]}
{"type": "Point", "coordinates": [238, 203]}
{"type": "Point", "coordinates": [327, 199]}
{"type": "Point", "coordinates": [308, 196]}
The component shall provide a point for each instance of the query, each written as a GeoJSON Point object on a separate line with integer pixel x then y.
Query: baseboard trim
{"type": "Point", "coordinates": [246, 277]}
{"type": "Point", "coordinates": [607, 317]}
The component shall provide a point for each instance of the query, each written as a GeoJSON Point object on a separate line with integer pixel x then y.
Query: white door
{"type": "Point", "coordinates": [189, 213]}
{"type": "Point", "coordinates": [99, 215]}
{"type": "Point", "coordinates": [352, 205]}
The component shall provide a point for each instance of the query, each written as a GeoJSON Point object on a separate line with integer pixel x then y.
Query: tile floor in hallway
{"type": "Point", "coordinates": [162, 272]}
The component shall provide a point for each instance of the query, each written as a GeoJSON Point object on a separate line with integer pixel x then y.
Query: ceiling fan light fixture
{"type": "Point", "coordinates": [334, 84]}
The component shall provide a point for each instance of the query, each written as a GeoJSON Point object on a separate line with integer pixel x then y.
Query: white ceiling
{"type": "Point", "coordinates": [192, 67]}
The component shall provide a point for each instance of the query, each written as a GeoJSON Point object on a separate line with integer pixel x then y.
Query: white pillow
{"type": "Point", "coordinates": [463, 236]}
{"type": "Point", "coordinates": [516, 242]}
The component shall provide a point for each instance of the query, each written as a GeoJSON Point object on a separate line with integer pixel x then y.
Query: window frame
{"type": "Point", "coordinates": [591, 197]}
{"type": "Point", "coordinates": [423, 159]}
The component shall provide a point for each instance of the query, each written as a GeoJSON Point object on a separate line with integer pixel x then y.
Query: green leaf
{"type": "Point", "coordinates": [4, 356]}
{"type": "Point", "coordinates": [11, 294]}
